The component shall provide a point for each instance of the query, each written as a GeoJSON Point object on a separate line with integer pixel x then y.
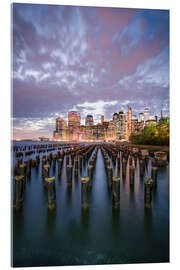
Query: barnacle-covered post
{"type": "Point", "coordinates": [116, 191]}
{"type": "Point", "coordinates": [84, 192]}
{"type": "Point", "coordinates": [51, 192]}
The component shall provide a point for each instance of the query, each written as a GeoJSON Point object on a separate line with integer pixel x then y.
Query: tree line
{"type": "Point", "coordinates": [152, 135]}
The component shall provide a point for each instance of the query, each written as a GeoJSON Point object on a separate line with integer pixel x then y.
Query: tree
{"type": "Point", "coordinates": [152, 135]}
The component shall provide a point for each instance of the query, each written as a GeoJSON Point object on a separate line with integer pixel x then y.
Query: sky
{"type": "Point", "coordinates": [93, 60]}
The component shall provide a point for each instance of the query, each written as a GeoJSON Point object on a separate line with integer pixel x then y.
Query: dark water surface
{"type": "Point", "coordinates": [101, 235]}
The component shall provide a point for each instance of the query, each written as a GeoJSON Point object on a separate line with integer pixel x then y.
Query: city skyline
{"type": "Point", "coordinates": [90, 60]}
{"type": "Point", "coordinates": [120, 127]}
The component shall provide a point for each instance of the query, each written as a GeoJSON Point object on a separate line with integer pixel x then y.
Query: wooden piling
{"type": "Point", "coordinates": [124, 163]}
{"type": "Point", "coordinates": [84, 192]}
{"type": "Point", "coordinates": [154, 175]}
{"type": "Point", "coordinates": [69, 175]}
{"type": "Point", "coordinates": [18, 201]}
{"type": "Point", "coordinates": [132, 175]}
{"type": "Point", "coordinates": [76, 167]}
{"type": "Point", "coordinates": [60, 163]}
{"type": "Point", "coordinates": [109, 175]}
{"type": "Point", "coordinates": [90, 175]}
{"type": "Point", "coordinates": [51, 192]}
{"type": "Point", "coordinates": [116, 191]}
{"type": "Point", "coordinates": [148, 192]}
{"type": "Point", "coordinates": [142, 167]}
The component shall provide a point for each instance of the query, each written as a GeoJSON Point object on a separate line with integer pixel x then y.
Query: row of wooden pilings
{"type": "Point", "coordinates": [16, 148]}
{"type": "Point", "coordinates": [87, 181]}
{"type": "Point", "coordinates": [112, 156]}
{"type": "Point", "coordinates": [22, 171]}
{"type": "Point", "coordinates": [41, 148]}
{"type": "Point", "coordinates": [160, 157]}
{"type": "Point", "coordinates": [75, 158]}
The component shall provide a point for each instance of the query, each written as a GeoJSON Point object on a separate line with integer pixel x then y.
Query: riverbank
{"type": "Point", "coordinates": [152, 148]}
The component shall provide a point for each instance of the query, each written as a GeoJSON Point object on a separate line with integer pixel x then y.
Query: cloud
{"type": "Point", "coordinates": [68, 57]}
{"type": "Point", "coordinates": [95, 108]}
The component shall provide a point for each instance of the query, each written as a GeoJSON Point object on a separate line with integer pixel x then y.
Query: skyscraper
{"type": "Point", "coordinates": [74, 121]}
{"type": "Point", "coordinates": [141, 117]}
{"type": "Point", "coordinates": [61, 127]}
{"type": "Point", "coordinates": [99, 132]}
{"type": "Point", "coordinates": [121, 126]}
{"type": "Point", "coordinates": [111, 131]}
{"type": "Point", "coordinates": [129, 122]}
{"type": "Point", "coordinates": [89, 120]}
{"type": "Point", "coordinates": [89, 123]}
{"type": "Point", "coordinates": [146, 114]}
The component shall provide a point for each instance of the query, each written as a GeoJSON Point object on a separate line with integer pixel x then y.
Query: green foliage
{"type": "Point", "coordinates": [152, 135]}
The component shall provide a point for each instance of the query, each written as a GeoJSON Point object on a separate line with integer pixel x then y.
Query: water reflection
{"type": "Point", "coordinates": [115, 219]}
{"type": "Point", "coordinates": [131, 194]}
{"type": "Point", "coordinates": [18, 220]}
{"type": "Point", "coordinates": [147, 219]}
{"type": "Point", "coordinates": [69, 195]}
{"type": "Point", "coordinates": [117, 229]}
{"type": "Point", "coordinates": [50, 221]}
{"type": "Point", "coordinates": [85, 214]}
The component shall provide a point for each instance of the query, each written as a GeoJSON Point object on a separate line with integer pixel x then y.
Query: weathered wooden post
{"type": "Point", "coordinates": [28, 169]}
{"type": "Point", "coordinates": [114, 159]}
{"type": "Point", "coordinates": [135, 151]}
{"type": "Point", "coordinates": [142, 167]}
{"type": "Point", "coordinates": [72, 159]}
{"type": "Point", "coordinates": [91, 162]}
{"type": "Point", "coordinates": [67, 160]}
{"type": "Point", "coordinates": [160, 158]}
{"type": "Point", "coordinates": [144, 153]}
{"type": "Point", "coordinates": [148, 192]}
{"type": "Point", "coordinates": [116, 191]}
{"type": "Point", "coordinates": [80, 162]}
{"type": "Point", "coordinates": [51, 192]}
{"type": "Point", "coordinates": [130, 160]}
{"type": "Point", "coordinates": [124, 163]}
{"type": "Point", "coordinates": [132, 174]}
{"type": "Point", "coordinates": [76, 167]}
{"type": "Point", "coordinates": [69, 175]}
{"type": "Point", "coordinates": [44, 161]}
{"type": "Point", "coordinates": [154, 175]}
{"type": "Point", "coordinates": [45, 173]}
{"type": "Point", "coordinates": [49, 158]}
{"type": "Point", "coordinates": [19, 161]}
{"type": "Point", "coordinates": [84, 192]}
{"type": "Point", "coordinates": [118, 160]}
{"type": "Point", "coordinates": [84, 160]}
{"type": "Point", "coordinates": [60, 163]}
{"type": "Point", "coordinates": [109, 175]}
{"type": "Point", "coordinates": [18, 191]}
{"type": "Point", "coordinates": [108, 163]}
{"type": "Point", "coordinates": [90, 174]}
{"type": "Point", "coordinates": [16, 169]}
{"type": "Point", "coordinates": [37, 161]}
{"type": "Point", "coordinates": [54, 164]}
{"type": "Point", "coordinates": [135, 160]}
{"type": "Point", "coordinates": [22, 171]}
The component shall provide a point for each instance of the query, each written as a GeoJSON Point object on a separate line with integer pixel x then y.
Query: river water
{"type": "Point", "coordinates": [101, 235]}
